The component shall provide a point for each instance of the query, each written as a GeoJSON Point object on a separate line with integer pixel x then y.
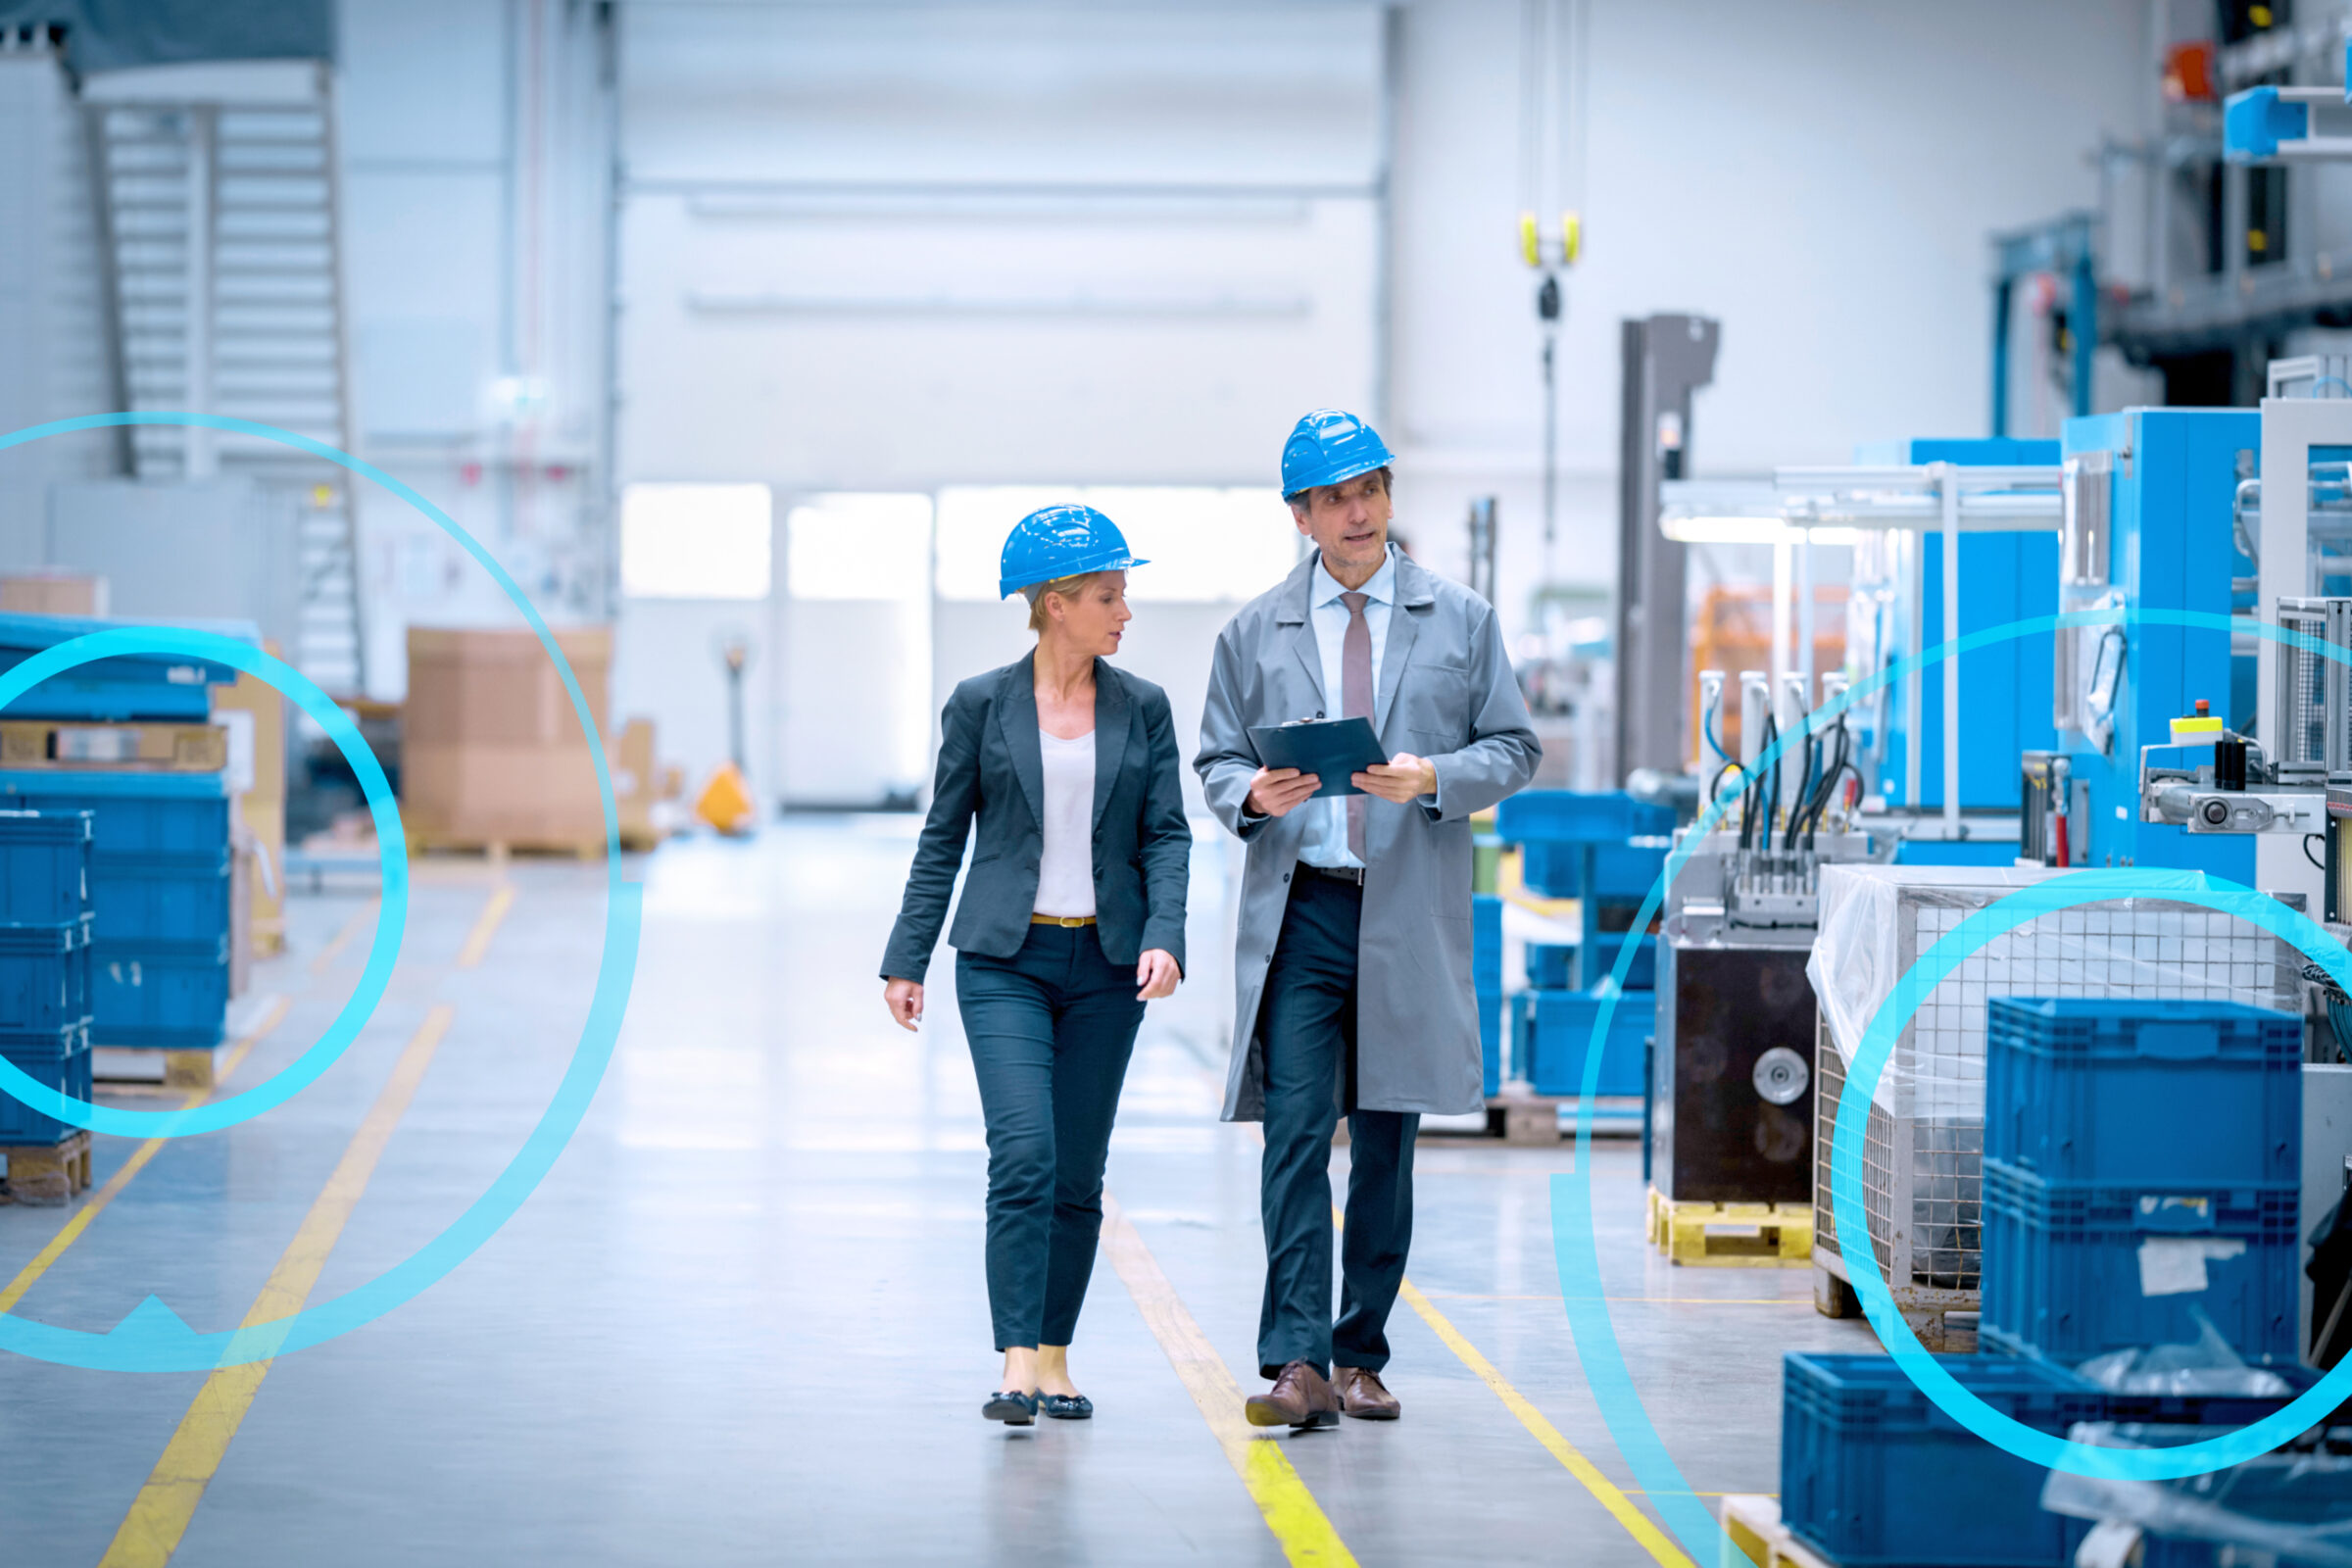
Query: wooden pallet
{"type": "Point", "coordinates": [47, 1175]}
{"type": "Point", "coordinates": [147, 748]}
{"type": "Point", "coordinates": [1530, 1120]}
{"type": "Point", "coordinates": [498, 851]}
{"type": "Point", "coordinates": [1731, 1235]}
{"type": "Point", "coordinates": [1752, 1533]}
{"type": "Point", "coordinates": [183, 1070]}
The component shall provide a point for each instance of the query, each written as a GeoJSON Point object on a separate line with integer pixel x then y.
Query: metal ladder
{"type": "Point", "coordinates": [222, 221]}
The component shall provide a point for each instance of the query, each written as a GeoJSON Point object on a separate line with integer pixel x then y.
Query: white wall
{"type": "Point", "coordinates": [473, 163]}
{"type": "Point", "coordinates": [1820, 174]}
{"type": "Point", "coordinates": [52, 343]}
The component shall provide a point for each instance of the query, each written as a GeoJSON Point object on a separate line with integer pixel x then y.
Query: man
{"type": "Point", "coordinates": [1352, 959]}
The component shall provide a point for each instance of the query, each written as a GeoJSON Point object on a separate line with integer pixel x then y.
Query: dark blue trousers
{"type": "Point", "coordinates": [1050, 1030]}
{"type": "Point", "coordinates": [1307, 1025]}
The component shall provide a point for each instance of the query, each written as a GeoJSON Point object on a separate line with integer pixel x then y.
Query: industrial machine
{"type": "Point", "coordinates": [1732, 1075]}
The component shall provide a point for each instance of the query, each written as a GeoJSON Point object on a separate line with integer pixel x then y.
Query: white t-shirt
{"type": "Point", "coordinates": [1065, 872]}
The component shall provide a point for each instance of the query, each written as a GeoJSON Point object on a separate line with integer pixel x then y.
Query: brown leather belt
{"type": "Point", "coordinates": [1061, 919]}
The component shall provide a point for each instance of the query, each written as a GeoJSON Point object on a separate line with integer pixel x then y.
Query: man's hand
{"type": "Point", "coordinates": [1276, 790]}
{"type": "Point", "coordinates": [1157, 971]}
{"type": "Point", "coordinates": [1403, 778]}
{"type": "Point", "coordinates": [905, 998]}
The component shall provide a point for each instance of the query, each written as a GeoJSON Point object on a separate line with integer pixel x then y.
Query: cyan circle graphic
{"type": "Point", "coordinates": [2089, 886]}
{"type": "Point", "coordinates": [1575, 1238]}
{"type": "Point", "coordinates": [152, 1338]}
{"type": "Point", "coordinates": [391, 922]}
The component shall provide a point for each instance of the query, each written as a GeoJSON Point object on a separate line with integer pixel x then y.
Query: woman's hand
{"type": "Point", "coordinates": [905, 998]}
{"type": "Point", "coordinates": [1157, 971]}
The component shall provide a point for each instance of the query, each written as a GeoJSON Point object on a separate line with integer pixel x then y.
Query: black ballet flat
{"type": "Point", "coordinates": [1066, 1406]}
{"type": "Point", "coordinates": [1015, 1409]}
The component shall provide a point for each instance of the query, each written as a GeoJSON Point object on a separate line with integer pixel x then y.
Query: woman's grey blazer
{"type": "Point", "coordinates": [992, 765]}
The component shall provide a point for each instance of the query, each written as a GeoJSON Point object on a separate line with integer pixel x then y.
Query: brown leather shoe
{"type": "Point", "coordinates": [1301, 1396]}
{"type": "Point", "coordinates": [1361, 1395]}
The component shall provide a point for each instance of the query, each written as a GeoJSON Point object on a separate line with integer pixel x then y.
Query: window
{"type": "Point", "coordinates": [694, 541]}
{"type": "Point", "coordinates": [849, 546]}
{"type": "Point", "coordinates": [1202, 543]}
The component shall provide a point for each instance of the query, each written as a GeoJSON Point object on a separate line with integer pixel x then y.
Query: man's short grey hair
{"type": "Point", "coordinates": [1387, 486]}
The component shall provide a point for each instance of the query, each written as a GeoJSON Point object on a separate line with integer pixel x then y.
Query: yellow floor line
{"type": "Point", "coordinates": [158, 1518]}
{"type": "Point", "coordinates": [1605, 1492]}
{"type": "Point", "coordinates": [1297, 1521]}
{"type": "Point", "coordinates": [139, 1156]}
{"type": "Point", "coordinates": [365, 914]}
{"type": "Point", "coordinates": [477, 941]}
{"type": "Point", "coordinates": [1653, 1539]}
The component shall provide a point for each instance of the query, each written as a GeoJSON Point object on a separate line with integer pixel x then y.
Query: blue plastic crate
{"type": "Point", "coordinates": [1574, 816]}
{"type": "Point", "coordinates": [1621, 872]}
{"type": "Point", "coordinates": [1555, 1030]}
{"type": "Point", "coordinates": [2220, 1409]}
{"type": "Point", "coordinates": [59, 1058]}
{"type": "Point", "coordinates": [45, 975]}
{"type": "Point", "coordinates": [129, 686]}
{"type": "Point", "coordinates": [1490, 1039]}
{"type": "Point", "coordinates": [1551, 966]}
{"type": "Point", "coordinates": [1874, 1475]}
{"type": "Point", "coordinates": [2063, 1272]}
{"type": "Point", "coordinates": [180, 898]}
{"type": "Point", "coordinates": [163, 997]}
{"type": "Point", "coordinates": [44, 865]}
{"type": "Point", "coordinates": [1485, 941]}
{"type": "Point", "coordinates": [132, 814]}
{"type": "Point", "coordinates": [2122, 1091]}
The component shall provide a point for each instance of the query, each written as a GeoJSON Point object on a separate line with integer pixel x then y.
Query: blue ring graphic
{"type": "Point", "coordinates": [1980, 927]}
{"type": "Point", "coordinates": [1576, 1254]}
{"type": "Point", "coordinates": [390, 928]}
{"type": "Point", "coordinates": [152, 1338]}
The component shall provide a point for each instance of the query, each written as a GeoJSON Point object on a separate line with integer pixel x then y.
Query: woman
{"type": "Point", "coordinates": [1077, 883]}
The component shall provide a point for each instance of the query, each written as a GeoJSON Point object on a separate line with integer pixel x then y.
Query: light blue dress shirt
{"type": "Point", "coordinates": [1326, 841]}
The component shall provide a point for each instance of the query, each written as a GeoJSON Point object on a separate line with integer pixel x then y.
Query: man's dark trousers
{"type": "Point", "coordinates": [1307, 1032]}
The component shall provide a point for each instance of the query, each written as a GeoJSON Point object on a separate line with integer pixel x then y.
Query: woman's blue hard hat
{"type": "Point", "coordinates": [1056, 542]}
{"type": "Point", "coordinates": [1327, 446]}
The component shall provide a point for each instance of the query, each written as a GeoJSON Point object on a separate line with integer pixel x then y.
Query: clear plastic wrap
{"type": "Point", "coordinates": [2293, 1505]}
{"type": "Point", "coordinates": [2210, 1366]}
{"type": "Point", "coordinates": [1876, 920]}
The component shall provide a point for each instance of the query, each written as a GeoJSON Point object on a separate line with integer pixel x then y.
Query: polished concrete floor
{"type": "Point", "coordinates": [743, 1320]}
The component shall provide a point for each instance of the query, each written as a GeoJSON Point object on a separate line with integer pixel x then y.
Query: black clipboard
{"type": "Point", "coordinates": [1332, 749]}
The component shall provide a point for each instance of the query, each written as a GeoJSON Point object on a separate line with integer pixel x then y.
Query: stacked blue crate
{"type": "Point", "coordinates": [159, 857]}
{"type": "Point", "coordinates": [2142, 1165]}
{"type": "Point", "coordinates": [1486, 973]}
{"type": "Point", "coordinates": [160, 887]}
{"type": "Point", "coordinates": [1874, 1475]}
{"type": "Point", "coordinates": [1604, 850]}
{"type": "Point", "coordinates": [45, 976]}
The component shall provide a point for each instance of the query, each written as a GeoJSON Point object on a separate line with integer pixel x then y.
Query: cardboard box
{"type": "Point", "coordinates": [480, 792]}
{"type": "Point", "coordinates": [252, 716]}
{"type": "Point", "coordinates": [500, 688]}
{"type": "Point", "coordinates": [53, 593]}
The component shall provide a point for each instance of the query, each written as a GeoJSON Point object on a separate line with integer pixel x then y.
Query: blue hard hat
{"type": "Point", "coordinates": [1061, 542]}
{"type": "Point", "coordinates": [1327, 446]}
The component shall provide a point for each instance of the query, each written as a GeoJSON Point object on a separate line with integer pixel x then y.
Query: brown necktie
{"type": "Point", "coordinates": [1355, 699]}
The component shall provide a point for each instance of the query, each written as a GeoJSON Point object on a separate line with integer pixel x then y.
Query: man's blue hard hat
{"type": "Point", "coordinates": [1061, 542]}
{"type": "Point", "coordinates": [1327, 446]}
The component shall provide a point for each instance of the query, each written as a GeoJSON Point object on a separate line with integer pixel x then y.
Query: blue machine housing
{"type": "Point", "coordinates": [2004, 688]}
{"type": "Point", "coordinates": [2176, 473]}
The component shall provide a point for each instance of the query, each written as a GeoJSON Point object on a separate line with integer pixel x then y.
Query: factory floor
{"type": "Point", "coordinates": [743, 1319]}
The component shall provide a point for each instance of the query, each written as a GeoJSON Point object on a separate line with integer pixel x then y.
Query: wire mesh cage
{"type": "Point", "coordinates": [1924, 1147]}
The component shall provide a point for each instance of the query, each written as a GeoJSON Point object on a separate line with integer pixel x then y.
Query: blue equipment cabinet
{"type": "Point", "coordinates": [2171, 547]}
{"type": "Point", "coordinates": [2004, 687]}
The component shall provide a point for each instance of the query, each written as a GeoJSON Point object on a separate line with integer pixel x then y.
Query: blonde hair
{"type": "Point", "coordinates": [1067, 587]}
